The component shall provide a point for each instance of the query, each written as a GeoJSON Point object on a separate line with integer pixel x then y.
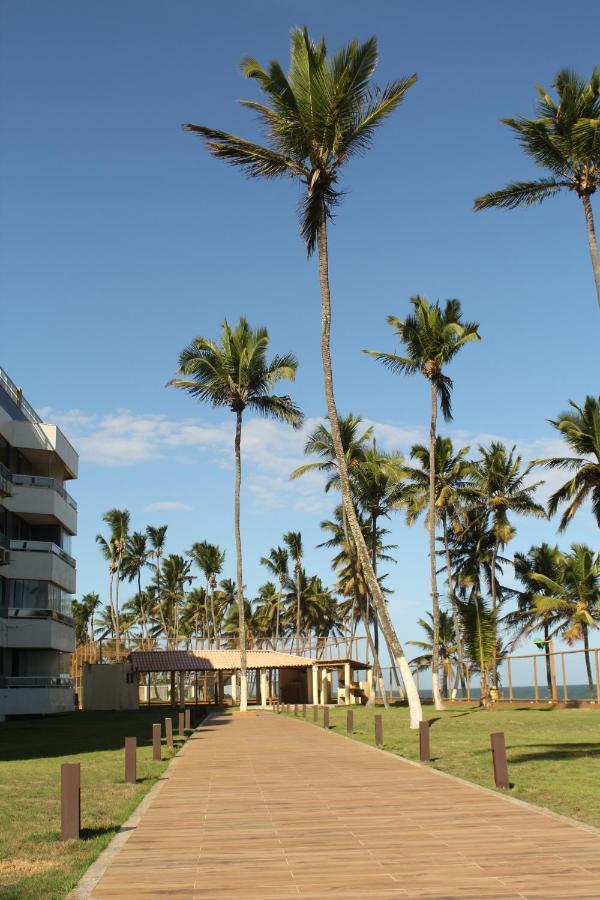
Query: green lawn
{"type": "Point", "coordinates": [34, 863]}
{"type": "Point", "coordinates": [553, 754]}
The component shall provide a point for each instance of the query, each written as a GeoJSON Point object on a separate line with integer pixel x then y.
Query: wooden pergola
{"type": "Point", "coordinates": [299, 679]}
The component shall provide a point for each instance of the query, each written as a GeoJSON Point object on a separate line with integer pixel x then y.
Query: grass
{"type": "Point", "coordinates": [34, 862]}
{"type": "Point", "coordinates": [553, 754]}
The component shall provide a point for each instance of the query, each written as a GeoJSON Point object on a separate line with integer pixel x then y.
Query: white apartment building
{"type": "Point", "coordinates": [37, 572]}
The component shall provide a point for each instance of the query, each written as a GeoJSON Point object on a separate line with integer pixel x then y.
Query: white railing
{"type": "Point", "coordinates": [37, 681]}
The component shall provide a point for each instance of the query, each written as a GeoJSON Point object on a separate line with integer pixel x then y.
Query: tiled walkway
{"type": "Point", "coordinates": [262, 806]}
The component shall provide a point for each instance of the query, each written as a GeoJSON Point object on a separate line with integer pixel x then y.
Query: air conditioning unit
{"type": "Point", "coordinates": [4, 556]}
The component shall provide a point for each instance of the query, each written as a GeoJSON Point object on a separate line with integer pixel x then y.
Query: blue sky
{"type": "Point", "coordinates": [120, 240]}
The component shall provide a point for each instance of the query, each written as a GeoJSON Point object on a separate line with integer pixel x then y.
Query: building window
{"type": "Point", "coordinates": [31, 594]}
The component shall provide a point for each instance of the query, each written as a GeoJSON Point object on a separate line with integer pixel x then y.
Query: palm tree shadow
{"type": "Point", "coordinates": [558, 751]}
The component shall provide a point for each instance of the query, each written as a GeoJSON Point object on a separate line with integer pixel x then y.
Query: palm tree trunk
{"type": "Point", "coordinates": [588, 664]}
{"type": "Point", "coordinates": [278, 617]}
{"type": "Point", "coordinates": [416, 713]}
{"type": "Point", "coordinates": [592, 243]}
{"type": "Point", "coordinates": [548, 661]}
{"type": "Point", "coordinates": [378, 673]}
{"type": "Point", "coordinates": [238, 551]}
{"type": "Point", "coordinates": [460, 654]}
{"type": "Point", "coordinates": [432, 518]}
{"type": "Point", "coordinates": [494, 587]}
{"type": "Point", "coordinates": [298, 607]}
{"type": "Point", "coordinates": [117, 617]}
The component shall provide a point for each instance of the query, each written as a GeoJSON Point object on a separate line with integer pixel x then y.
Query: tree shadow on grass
{"type": "Point", "coordinates": [556, 751]}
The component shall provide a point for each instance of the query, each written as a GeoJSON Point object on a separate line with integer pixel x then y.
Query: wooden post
{"type": "Point", "coordinates": [424, 750]}
{"type": "Point", "coordinates": [378, 731]}
{"type": "Point", "coordinates": [535, 680]}
{"type": "Point", "coordinates": [326, 717]}
{"type": "Point", "coordinates": [499, 760]}
{"type": "Point", "coordinates": [188, 720]}
{"type": "Point", "coordinates": [130, 760]}
{"type": "Point", "coordinates": [564, 676]}
{"type": "Point", "coordinates": [510, 689]}
{"type": "Point", "coordinates": [156, 737]}
{"type": "Point", "coordinates": [169, 732]}
{"type": "Point", "coordinates": [296, 710]}
{"type": "Point", "coordinates": [304, 710]}
{"type": "Point", "coordinates": [181, 724]}
{"type": "Point", "coordinates": [315, 713]}
{"type": "Point", "coordinates": [70, 801]}
{"type": "Point", "coordinates": [350, 721]}
{"type": "Point", "coordinates": [553, 671]}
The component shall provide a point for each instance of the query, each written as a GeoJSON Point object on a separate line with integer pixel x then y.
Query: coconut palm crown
{"type": "Point", "coordinates": [580, 427]}
{"type": "Point", "coordinates": [315, 118]}
{"type": "Point", "coordinates": [564, 139]}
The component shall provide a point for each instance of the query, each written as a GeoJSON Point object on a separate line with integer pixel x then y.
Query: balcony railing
{"type": "Point", "coordinates": [42, 547]}
{"type": "Point", "coordinates": [5, 482]}
{"type": "Point", "coordinates": [37, 681]}
{"type": "Point", "coordinates": [42, 481]}
{"type": "Point", "coordinates": [16, 394]}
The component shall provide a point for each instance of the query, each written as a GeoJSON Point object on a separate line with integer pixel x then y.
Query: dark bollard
{"type": "Point", "coordinates": [315, 713]}
{"type": "Point", "coordinates": [326, 717]}
{"type": "Point", "coordinates": [156, 737]}
{"type": "Point", "coordinates": [130, 754]}
{"type": "Point", "coordinates": [169, 732]}
{"type": "Point", "coordinates": [296, 710]}
{"type": "Point", "coordinates": [181, 724]}
{"type": "Point", "coordinates": [349, 721]}
{"type": "Point", "coordinates": [499, 760]}
{"type": "Point", "coordinates": [188, 720]}
{"type": "Point", "coordinates": [304, 710]}
{"type": "Point", "coordinates": [424, 752]}
{"type": "Point", "coordinates": [70, 801]}
{"type": "Point", "coordinates": [378, 731]}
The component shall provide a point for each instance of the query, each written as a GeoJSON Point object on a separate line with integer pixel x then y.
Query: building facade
{"type": "Point", "coordinates": [38, 519]}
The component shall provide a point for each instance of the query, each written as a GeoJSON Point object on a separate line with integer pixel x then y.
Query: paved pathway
{"type": "Point", "coordinates": [262, 806]}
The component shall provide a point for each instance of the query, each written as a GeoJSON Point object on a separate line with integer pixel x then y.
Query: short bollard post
{"type": "Point", "coordinates": [315, 713]}
{"type": "Point", "coordinates": [70, 802]}
{"type": "Point", "coordinates": [499, 760]}
{"type": "Point", "coordinates": [130, 753]}
{"type": "Point", "coordinates": [188, 720]}
{"type": "Point", "coordinates": [349, 721]}
{"type": "Point", "coordinates": [169, 732]}
{"type": "Point", "coordinates": [296, 710]}
{"type": "Point", "coordinates": [156, 737]}
{"type": "Point", "coordinates": [326, 717]}
{"type": "Point", "coordinates": [181, 724]}
{"type": "Point", "coordinates": [378, 731]}
{"type": "Point", "coordinates": [304, 710]}
{"type": "Point", "coordinates": [424, 753]}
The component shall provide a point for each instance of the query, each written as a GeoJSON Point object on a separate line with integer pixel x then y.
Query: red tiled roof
{"type": "Point", "coordinates": [206, 660]}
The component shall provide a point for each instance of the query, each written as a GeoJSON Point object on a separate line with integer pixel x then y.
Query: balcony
{"type": "Point", "coordinates": [38, 499]}
{"type": "Point", "coordinates": [36, 695]}
{"type": "Point", "coordinates": [34, 629]}
{"type": "Point", "coordinates": [41, 561]}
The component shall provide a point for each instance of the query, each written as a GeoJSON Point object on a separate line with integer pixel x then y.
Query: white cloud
{"type": "Point", "coordinates": [166, 504]}
{"type": "Point", "coordinates": [270, 450]}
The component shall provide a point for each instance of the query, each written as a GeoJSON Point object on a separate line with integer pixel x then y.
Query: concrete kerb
{"type": "Point", "coordinates": [92, 876]}
{"type": "Point", "coordinates": [500, 795]}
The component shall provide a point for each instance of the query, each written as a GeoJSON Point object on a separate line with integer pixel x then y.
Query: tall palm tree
{"type": "Point", "coordinates": [113, 550]}
{"type": "Point", "coordinates": [195, 614]}
{"type": "Point", "coordinates": [324, 112]}
{"type": "Point", "coordinates": [446, 647]}
{"type": "Point", "coordinates": [91, 601]}
{"type": "Point", "coordinates": [176, 576]}
{"type": "Point", "coordinates": [320, 443]}
{"type": "Point", "coordinates": [565, 140]}
{"type": "Point", "coordinates": [431, 337]}
{"type": "Point", "coordinates": [157, 535]}
{"type": "Point", "coordinates": [498, 486]}
{"type": "Point", "coordinates": [277, 564]}
{"type": "Point", "coordinates": [543, 560]}
{"type": "Point", "coordinates": [134, 560]}
{"type": "Point", "coordinates": [236, 374]}
{"type": "Point", "coordinates": [574, 599]}
{"type": "Point", "coordinates": [267, 611]}
{"type": "Point", "coordinates": [210, 559]}
{"type": "Point", "coordinates": [293, 542]}
{"type": "Point", "coordinates": [580, 427]}
{"type": "Point", "coordinates": [452, 472]}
